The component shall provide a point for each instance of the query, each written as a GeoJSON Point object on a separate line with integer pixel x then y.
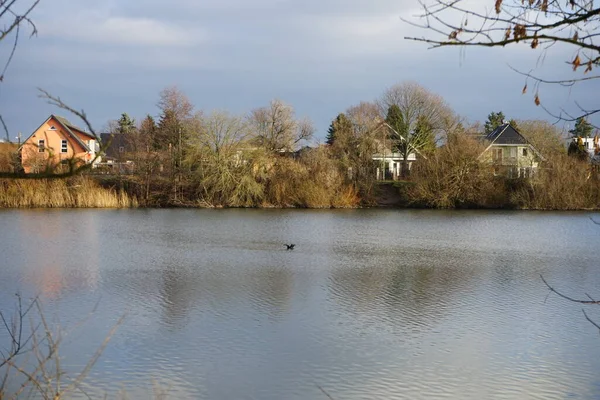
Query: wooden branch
{"type": "Point", "coordinates": [567, 297]}
{"type": "Point", "coordinates": [590, 320]}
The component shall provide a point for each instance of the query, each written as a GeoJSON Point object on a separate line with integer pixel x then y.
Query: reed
{"type": "Point", "coordinates": [79, 192]}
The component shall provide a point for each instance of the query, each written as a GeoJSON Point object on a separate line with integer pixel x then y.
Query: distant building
{"type": "Point", "coordinates": [57, 141]}
{"type": "Point", "coordinates": [510, 153]}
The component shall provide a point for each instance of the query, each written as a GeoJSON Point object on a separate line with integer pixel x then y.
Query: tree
{"type": "Point", "coordinates": [537, 24]}
{"type": "Point", "coordinates": [217, 161]}
{"type": "Point", "coordinates": [175, 101]}
{"type": "Point", "coordinates": [421, 117]}
{"type": "Point", "coordinates": [147, 160]}
{"type": "Point", "coordinates": [453, 176]}
{"type": "Point", "coordinates": [276, 128]}
{"type": "Point", "coordinates": [338, 127]}
{"type": "Point", "coordinates": [125, 124]}
{"type": "Point", "coordinates": [494, 120]}
{"type": "Point", "coordinates": [582, 128]}
{"type": "Point", "coordinates": [543, 136]}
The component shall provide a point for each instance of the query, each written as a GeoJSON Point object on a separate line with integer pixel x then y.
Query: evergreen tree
{"type": "Point", "coordinates": [167, 131]}
{"type": "Point", "coordinates": [125, 124]}
{"type": "Point", "coordinates": [424, 135]}
{"type": "Point", "coordinates": [148, 126]}
{"type": "Point", "coordinates": [494, 120]}
{"type": "Point", "coordinates": [514, 124]}
{"type": "Point", "coordinates": [582, 129]}
{"type": "Point", "coordinates": [395, 119]}
{"type": "Point", "coordinates": [340, 125]}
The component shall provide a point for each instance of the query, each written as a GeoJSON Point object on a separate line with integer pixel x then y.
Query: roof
{"type": "Point", "coordinates": [68, 127]}
{"type": "Point", "coordinates": [506, 134]}
{"type": "Point", "coordinates": [111, 143]}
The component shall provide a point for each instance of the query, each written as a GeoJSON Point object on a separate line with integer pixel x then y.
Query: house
{"type": "Point", "coordinates": [114, 146]}
{"type": "Point", "coordinates": [590, 144]}
{"type": "Point", "coordinates": [389, 164]}
{"type": "Point", "coordinates": [56, 142]}
{"type": "Point", "coordinates": [510, 153]}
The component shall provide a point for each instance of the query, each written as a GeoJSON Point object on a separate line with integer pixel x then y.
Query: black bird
{"type": "Point", "coordinates": [290, 246]}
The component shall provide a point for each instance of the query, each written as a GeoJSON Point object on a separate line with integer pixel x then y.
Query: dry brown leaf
{"type": "Point", "coordinates": [498, 6]}
{"type": "Point", "coordinates": [576, 62]}
{"type": "Point", "coordinates": [576, 36]}
{"type": "Point", "coordinates": [525, 89]}
{"type": "Point", "coordinates": [589, 67]}
{"type": "Point", "coordinates": [537, 100]}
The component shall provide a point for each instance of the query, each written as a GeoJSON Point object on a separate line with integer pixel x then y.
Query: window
{"type": "Point", "coordinates": [41, 145]}
{"type": "Point", "coordinates": [524, 152]}
{"type": "Point", "coordinates": [498, 154]}
{"type": "Point", "coordinates": [513, 152]}
{"type": "Point", "coordinates": [63, 146]}
{"type": "Point", "coordinates": [121, 149]}
{"type": "Point", "coordinates": [52, 128]}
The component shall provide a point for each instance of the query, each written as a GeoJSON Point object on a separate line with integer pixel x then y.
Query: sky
{"type": "Point", "coordinates": [321, 56]}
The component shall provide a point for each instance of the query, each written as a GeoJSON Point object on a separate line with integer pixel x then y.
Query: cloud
{"type": "Point", "coordinates": [91, 27]}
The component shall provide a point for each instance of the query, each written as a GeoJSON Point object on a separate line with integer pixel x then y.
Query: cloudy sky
{"type": "Point", "coordinates": [321, 56]}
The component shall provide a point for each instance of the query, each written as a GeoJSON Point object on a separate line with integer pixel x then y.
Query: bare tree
{"type": "Point", "coordinates": [276, 127]}
{"type": "Point", "coordinates": [539, 24]}
{"type": "Point", "coordinates": [13, 15]}
{"type": "Point", "coordinates": [218, 160]}
{"type": "Point", "coordinates": [453, 176]}
{"type": "Point", "coordinates": [32, 356]}
{"type": "Point", "coordinates": [174, 100]}
{"type": "Point", "coordinates": [419, 117]}
{"type": "Point", "coordinates": [544, 136]}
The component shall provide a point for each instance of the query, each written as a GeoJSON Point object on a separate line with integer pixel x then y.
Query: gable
{"type": "Point", "coordinates": [55, 127]}
{"type": "Point", "coordinates": [506, 135]}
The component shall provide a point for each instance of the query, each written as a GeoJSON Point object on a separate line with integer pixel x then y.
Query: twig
{"type": "Point", "coordinates": [324, 392]}
{"type": "Point", "coordinates": [567, 297]}
{"type": "Point", "coordinates": [590, 320]}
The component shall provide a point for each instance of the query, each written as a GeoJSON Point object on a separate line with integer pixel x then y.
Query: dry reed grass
{"type": "Point", "coordinates": [77, 192]}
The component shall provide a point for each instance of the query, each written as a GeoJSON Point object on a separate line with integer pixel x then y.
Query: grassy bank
{"type": "Point", "coordinates": [77, 192]}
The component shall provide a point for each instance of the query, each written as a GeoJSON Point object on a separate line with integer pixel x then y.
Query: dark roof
{"type": "Point", "coordinates": [506, 134]}
{"type": "Point", "coordinates": [113, 143]}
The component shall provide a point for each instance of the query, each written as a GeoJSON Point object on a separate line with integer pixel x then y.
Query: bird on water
{"type": "Point", "coordinates": [290, 246]}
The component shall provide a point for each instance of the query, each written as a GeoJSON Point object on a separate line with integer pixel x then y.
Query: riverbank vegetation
{"type": "Point", "coordinates": [78, 192]}
{"type": "Point", "coordinates": [269, 158]}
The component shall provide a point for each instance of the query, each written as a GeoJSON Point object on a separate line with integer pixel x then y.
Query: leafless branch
{"type": "Point", "coordinates": [567, 297]}
{"type": "Point", "coordinates": [590, 320]}
{"type": "Point", "coordinates": [538, 24]}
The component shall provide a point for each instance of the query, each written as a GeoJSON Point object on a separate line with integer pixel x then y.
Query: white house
{"type": "Point", "coordinates": [389, 164]}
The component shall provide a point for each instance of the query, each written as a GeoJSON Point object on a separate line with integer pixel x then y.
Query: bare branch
{"type": "Point", "coordinates": [567, 297]}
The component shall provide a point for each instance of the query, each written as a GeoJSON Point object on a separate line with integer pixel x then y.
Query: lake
{"type": "Point", "coordinates": [387, 304]}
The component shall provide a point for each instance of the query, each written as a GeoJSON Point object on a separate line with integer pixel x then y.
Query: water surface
{"type": "Point", "coordinates": [390, 304]}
